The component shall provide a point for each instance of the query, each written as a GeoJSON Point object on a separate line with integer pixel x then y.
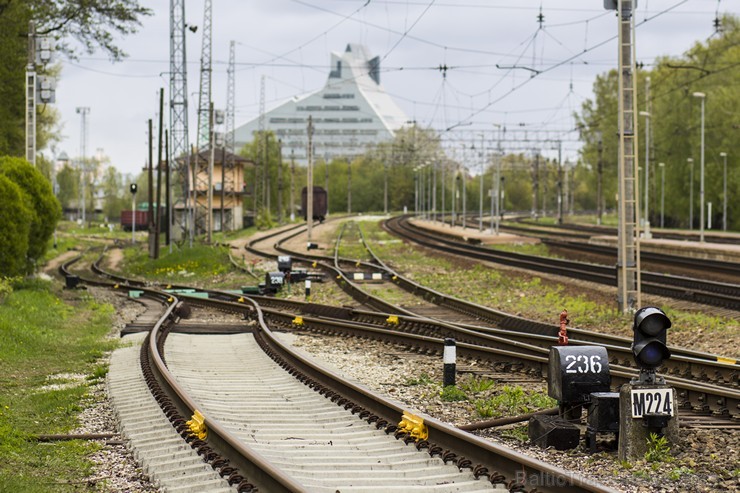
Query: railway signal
{"type": "Point", "coordinates": [133, 188]}
{"type": "Point", "coordinates": [646, 404]}
{"type": "Point", "coordinates": [649, 340]}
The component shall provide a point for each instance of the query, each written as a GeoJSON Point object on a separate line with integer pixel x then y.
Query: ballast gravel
{"type": "Point", "coordinates": [705, 460]}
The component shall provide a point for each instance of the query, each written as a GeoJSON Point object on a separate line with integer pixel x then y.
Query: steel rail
{"type": "Point", "coordinates": [453, 444]}
{"type": "Point", "coordinates": [698, 397]}
{"type": "Point", "coordinates": [711, 293]}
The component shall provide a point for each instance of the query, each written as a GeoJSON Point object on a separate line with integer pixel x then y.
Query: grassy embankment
{"type": "Point", "coordinates": [51, 350]}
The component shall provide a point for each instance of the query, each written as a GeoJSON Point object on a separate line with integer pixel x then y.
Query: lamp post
{"type": "Point", "coordinates": [662, 192]}
{"type": "Point", "coordinates": [646, 114]}
{"type": "Point", "coordinates": [599, 175]}
{"type": "Point", "coordinates": [702, 97]}
{"type": "Point", "coordinates": [723, 155]}
{"type": "Point", "coordinates": [691, 192]}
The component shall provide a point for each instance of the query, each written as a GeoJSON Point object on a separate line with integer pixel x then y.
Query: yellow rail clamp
{"type": "Point", "coordinates": [169, 286]}
{"type": "Point", "coordinates": [339, 276]}
{"type": "Point", "coordinates": [393, 320]}
{"type": "Point", "coordinates": [115, 286]}
{"type": "Point", "coordinates": [298, 321]}
{"type": "Point", "coordinates": [197, 425]}
{"type": "Point", "coordinates": [241, 299]}
{"type": "Point", "coordinates": [394, 278]}
{"type": "Point", "coordinates": [728, 361]}
{"type": "Point", "coordinates": [170, 299]}
{"type": "Point", "coordinates": [357, 264]}
{"type": "Point", "coordinates": [314, 264]}
{"type": "Point", "coordinates": [413, 425]}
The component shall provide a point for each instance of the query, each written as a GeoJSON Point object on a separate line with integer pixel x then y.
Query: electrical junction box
{"type": "Point", "coordinates": [574, 372]}
{"type": "Point", "coordinates": [274, 281]}
{"type": "Point", "coordinates": [285, 263]}
{"type": "Point", "coordinates": [603, 411]}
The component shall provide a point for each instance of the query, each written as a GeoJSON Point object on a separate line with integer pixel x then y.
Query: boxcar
{"type": "Point", "coordinates": [319, 203]}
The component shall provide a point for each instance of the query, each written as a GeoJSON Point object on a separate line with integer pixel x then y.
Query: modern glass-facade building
{"type": "Point", "coordinates": [350, 113]}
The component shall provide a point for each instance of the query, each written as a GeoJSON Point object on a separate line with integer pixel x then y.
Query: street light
{"type": "Point", "coordinates": [723, 155]}
{"type": "Point", "coordinates": [691, 192]}
{"type": "Point", "coordinates": [703, 97]}
{"type": "Point", "coordinates": [646, 114]}
{"type": "Point", "coordinates": [662, 192]}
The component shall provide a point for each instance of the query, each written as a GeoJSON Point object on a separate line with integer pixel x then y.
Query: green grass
{"type": "Point", "coordinates": [512, 401]}
{"type": "Point", "coordinates": [451, 393]}
{"type": "Point", "coordinates": [423, 379]}
{"type": "Point", "coordinates": [41, 339]}
{"type": "Point", "coordinates": [182, 265]}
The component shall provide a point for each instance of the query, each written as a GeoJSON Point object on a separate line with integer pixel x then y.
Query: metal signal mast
{"type": "Point", "coordinates": [628, 262]}
{"type": "Point", "coordinates": [179, 149]}
{"type": "Point", "coordinates": [229, 170]}
{"type": "Point", "coordinates": [205, 121]}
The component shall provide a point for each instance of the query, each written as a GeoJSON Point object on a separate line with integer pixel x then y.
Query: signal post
{"type": "Point", "coordinates": [647, 404]}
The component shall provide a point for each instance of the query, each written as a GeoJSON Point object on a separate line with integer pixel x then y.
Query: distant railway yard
{"type": "Point", "coordinates": [261, 365]}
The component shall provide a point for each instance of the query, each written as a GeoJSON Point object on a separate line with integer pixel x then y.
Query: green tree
{"type": "Point", "coordinates": [92, 23]}
{"type": "Point", "coordinates": [39, 199]}
{"type": "Point", "coordinates": [711, 67]}
{"type": "Point", "coordinates": [68, 179]}
{"type": "Point", "coordinates": [14, 228]}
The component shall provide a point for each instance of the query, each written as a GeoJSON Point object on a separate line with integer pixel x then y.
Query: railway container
{"type": "Point", "coordinates": [142, 218]}
{"type": "Point", "coordinates": [127, 220]}
{"type": "Point", "coordinates": [319, 203]}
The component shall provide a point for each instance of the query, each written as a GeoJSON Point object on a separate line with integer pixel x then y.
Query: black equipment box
{"type": "Point", "coordinates": [577, 371]}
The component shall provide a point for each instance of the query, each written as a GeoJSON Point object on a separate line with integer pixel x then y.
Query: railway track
{"type": "Point", "coordinates": [724, 295]}
{"type": "Point", "coordinates": [193, 377]}
{"type": "Point", "coordinates": [707, 384]}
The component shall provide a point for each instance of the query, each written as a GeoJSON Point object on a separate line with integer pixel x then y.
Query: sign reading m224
{"type": "Point", "coordinates": [652, 401]}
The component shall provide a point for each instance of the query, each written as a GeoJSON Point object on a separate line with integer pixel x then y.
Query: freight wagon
{"type": "Point", "coordinates": [319, 203]}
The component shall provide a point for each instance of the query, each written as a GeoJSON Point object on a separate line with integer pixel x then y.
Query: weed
{"type": "Point", "coordinates": [519, 433]}
{"type": "Point", "coordinates": [423, 379]}
{"type": "Point", "coordinates": [675, 474]}
{"type": "Point", "coordinates": [659, 450]}
{"type": "Point", "coordinates": [477, 385]}
{"type": "Point", "coordinates": [452, 394]}
{"type": "Point", "coordinates": [98, 373]}
{"type": "Point", "coordinates": [512, 401]}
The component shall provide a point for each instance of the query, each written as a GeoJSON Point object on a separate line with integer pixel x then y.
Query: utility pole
{"type": "Point", "coordinates": [83, 111]}
{"type": "Point", "coordinates": [628, 262]}
{"type": "Point", "coordinates": [599, 175]}
{"type": "Point", "coordinates": [560, 182]}
{"type": "Point", "coordinates": [309, 180]}
{"type": "Point", "coordinates": [229, 181]}
{"type": "Point", "coordinates": [349, 186]}
{"type": "Point", "coordinates": [151, 227]}
{"type": "Point", "coordinates": [326, 180]}
{"type": "Point", "coordinates": [31, 96]}
{"type": "Point", "coordinates": [211, 158]}
{"type": "Point", "coordinates": [154, 209]}
{"type": "Point", "coordinates": [535, 183]}
{"type": "Point", "coordinates": [280, 181]}
{"type": "Point", "coordinates": [292, 186]}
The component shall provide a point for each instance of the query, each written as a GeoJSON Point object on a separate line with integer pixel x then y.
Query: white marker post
{"type": "Point", "coordinates": [448, 358]}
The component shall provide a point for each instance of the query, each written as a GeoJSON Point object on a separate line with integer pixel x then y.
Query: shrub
{"type": "Point", "coordinates": [14, 229]}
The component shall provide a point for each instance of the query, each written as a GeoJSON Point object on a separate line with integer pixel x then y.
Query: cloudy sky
{"type": "Point", "coordinates": [504, 67]}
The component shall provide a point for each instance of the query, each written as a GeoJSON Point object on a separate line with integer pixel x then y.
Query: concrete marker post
{"type": "Point", "coordinates": [308, 288]}
{"type": "Point", "coordinates": [448, 358]}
